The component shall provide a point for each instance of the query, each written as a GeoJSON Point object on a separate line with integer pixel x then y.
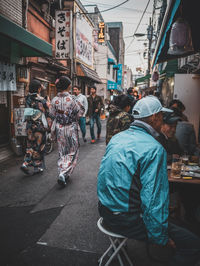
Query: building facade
{"type": "Point", "coordinates": [115, 30]}
{"type": "Point", "coordinates": [17, 44]}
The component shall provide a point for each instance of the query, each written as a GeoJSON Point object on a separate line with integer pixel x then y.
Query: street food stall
{"type": "Point", "coordinates": [179, 39]}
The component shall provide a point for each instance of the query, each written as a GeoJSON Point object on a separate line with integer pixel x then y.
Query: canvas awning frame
{"type": "Point", "coordinates": [17, 40]}
{"type": "Point", "coordinates": [84, 71]}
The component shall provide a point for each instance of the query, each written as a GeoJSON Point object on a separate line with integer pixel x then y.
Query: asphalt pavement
{"type": "Point", "coordinates": [42, 224]}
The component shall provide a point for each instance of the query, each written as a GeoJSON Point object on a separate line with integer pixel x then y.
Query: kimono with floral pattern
{"type": "Point", "coordinates": [36, 132]}
{"type": "Point", "coordinates": [66, 110]}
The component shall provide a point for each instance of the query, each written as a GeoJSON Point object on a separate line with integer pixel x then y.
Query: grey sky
{"type": "Point", "coordinates": [130, 14]}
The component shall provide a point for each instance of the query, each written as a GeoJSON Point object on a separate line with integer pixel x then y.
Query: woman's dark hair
{"type": "Point", "coordinates": [63, 83]}
{"type": "Point", "coordinates": [180, 105]}
{"type": "Point", "coordinates": [129, 90]}
{"type": "Point", "coordinates": [122, 101]}
{"type": "Point", "coordinates": [177, 111]}
{"type": "Point", "coordinates": [34, 86]}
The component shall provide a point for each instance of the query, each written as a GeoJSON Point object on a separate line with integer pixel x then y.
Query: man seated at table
{"type": "Point", "coordinates": [133, 188]}
{"type": "Point", "coordinates": [178, 105]}
{"type": "Point", "coordinates": [167, 136]}
{"type": "Point", "coordinates": [185, 132]}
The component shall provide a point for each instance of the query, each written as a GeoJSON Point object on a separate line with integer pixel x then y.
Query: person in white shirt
{"type": "Point", "coordinates": [83, 100]}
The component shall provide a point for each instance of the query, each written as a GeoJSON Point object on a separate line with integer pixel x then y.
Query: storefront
{"type": "Point", "coordinates": [16, 43]}
{"type": "Point", "coordinates": [86, 77]}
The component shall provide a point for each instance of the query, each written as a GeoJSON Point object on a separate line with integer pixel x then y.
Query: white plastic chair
{"type": "Point", "coordinates": [117, 244]}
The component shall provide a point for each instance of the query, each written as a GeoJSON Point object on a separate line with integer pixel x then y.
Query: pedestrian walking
{"type": "Point", "coordinates": [83, 100]}
{"type": "Point", "coordinates": [130, 94]}
{"type": "Point", "coordinates": [66, 110]}
{"type": "Point", "coordinates": [95, 104]}
{"type": "Point", "coordinates": [133, 187]}
{"type": "Point", "coordinates": [36, 115]}
{"type": "Point", "coordinates": [119, 118]}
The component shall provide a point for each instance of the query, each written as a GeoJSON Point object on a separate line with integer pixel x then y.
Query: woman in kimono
{"type": "Point", "coordinates": [66, 110]}
{"type": "Point", "coordinates": [35, 114]}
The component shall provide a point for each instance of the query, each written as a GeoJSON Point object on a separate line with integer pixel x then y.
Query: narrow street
{"type": "Point", "coordinates": [43, 224]}
{"type": "Point", "coordinates": [62, 61]}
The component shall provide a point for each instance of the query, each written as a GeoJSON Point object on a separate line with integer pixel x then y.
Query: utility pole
{"type": "Point", "coordinates": [149, 37]}
{"type": "Point", "coordinates": [161, 16]}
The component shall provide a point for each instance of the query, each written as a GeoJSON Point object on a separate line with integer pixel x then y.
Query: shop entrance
{"type": "Point", "coordinates": [4, 124]}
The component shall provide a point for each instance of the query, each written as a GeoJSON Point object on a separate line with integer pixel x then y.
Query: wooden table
{"type": "Point", "coordinates": [184, 181]}
{"type": "Point", "coordinates": [176, 212]}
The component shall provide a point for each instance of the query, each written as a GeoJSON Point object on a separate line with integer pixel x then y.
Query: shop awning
{"type": "Point", "coordinates": [170, 69]}
{"type": "Point", "coordinates": [142, 79]}
{"type": "Point", "coordinates": [18, 42]}
{"type": "Point", "coordinates": [188, 10]}
{"type": "Point", "coordinates": [84, 71]}
{"type": "Point", "coordinates": [111, 61]}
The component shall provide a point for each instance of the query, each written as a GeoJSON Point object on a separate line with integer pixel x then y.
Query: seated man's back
{"type": "Point", "coordinates": [129, 181]}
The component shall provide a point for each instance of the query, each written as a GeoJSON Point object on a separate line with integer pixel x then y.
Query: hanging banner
{"type": "Point", "coordinates": [7, 77]}
{"type": "Point", "coordinates": [101, 34]}
{"type": "Point", "coordinates": [84, 38]}
{"type": "Point", "coordinates": [119, 74]}
{"type": "Point", "coordinates": [62, 34]}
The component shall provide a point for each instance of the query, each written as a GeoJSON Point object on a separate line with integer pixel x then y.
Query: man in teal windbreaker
{"type": "Point", "coordinates": [133, 188]}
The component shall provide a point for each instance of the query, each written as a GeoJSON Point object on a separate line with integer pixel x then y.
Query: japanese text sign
{"type": "Point", "coordinates": [62, 34]}
{"type": "Point", "coordinates": [101, 34]}
{"type": "Point", "coordinates": [7, 77]}
{"type": "Point", "coordinates": [84, 39]}
{"type": "Point", "coordinates": [119, 74]}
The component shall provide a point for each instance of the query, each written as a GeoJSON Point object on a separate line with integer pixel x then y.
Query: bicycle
{"type": "Point", "coordinates": [49, 143]}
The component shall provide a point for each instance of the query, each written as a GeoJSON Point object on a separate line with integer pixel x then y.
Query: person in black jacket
{"type": "Point", "coordinates": [130, 94]}
{"type": "Point", "coordinates": [167, 135]}
{"type": "Point", "coordinates": [95, 104]}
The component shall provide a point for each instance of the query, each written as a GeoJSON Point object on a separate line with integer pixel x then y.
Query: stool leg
{"type": "Point", "coordinates": [116, 250]}
{"type": "Point", "coordinates": [104, 254]}
{"type": "Point", "coordinates": [125, 253]}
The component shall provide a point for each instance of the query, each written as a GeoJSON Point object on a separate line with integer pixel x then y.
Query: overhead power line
{"type": "Point", "coordinates": [107, 5]}
{"type": "Point", "coordinates": [138, 24]}
{"type": "Point", "coordinates": [105, 10]}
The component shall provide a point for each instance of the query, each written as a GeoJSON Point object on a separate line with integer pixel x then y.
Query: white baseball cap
{"type": "Point", "coordinates": [148, 106]}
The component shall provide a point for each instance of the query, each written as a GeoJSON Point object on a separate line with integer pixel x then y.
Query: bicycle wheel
{"type": "Point", "coordinates": [48, 146]}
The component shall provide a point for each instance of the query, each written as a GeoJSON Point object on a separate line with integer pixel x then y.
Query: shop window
{"type": "Point", "coordinates": [114, 74]}
{"type": "Point", "coordinates": [108, 70]}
